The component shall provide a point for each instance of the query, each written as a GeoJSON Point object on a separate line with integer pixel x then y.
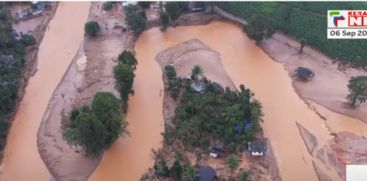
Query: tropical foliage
{"type": "Point", "coordinates": [203, 117]}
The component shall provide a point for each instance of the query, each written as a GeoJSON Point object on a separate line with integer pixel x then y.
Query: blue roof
{"type": "Point", "coordinates": [246, 123]}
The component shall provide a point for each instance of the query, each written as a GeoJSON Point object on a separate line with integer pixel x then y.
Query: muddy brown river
{"type": "Point", "coordinates": [246, 64]}
{"type": "Point", "coordinates": [129, 157]}
{"type": "Point", "coordinates": [61, 41]}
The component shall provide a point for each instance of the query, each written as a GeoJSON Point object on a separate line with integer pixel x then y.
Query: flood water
{"type": "Point", "coordinates": [61, 41]}
{"type": "Point", "coordinates": [246, 64]}
{"type": "Point", "coordinates": [129, 157]}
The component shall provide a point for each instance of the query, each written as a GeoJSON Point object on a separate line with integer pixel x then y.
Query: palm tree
{"type": "Point", "coordinates": [196, 71]}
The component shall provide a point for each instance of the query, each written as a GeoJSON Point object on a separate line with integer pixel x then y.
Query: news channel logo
{"type": "Point", "coordinates": [347, 24]}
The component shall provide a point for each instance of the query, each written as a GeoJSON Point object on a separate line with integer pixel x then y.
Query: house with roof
{"type": "Point", "coordinates": [198, 86]}
{"type": "Point", "coordinates": [206, 174]}
{"type": "Point", "coordinates": [257, 147]}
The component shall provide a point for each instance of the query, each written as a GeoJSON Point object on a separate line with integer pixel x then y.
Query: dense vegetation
{"type": "Point", "coordinates": [306, 20]}
{"type": "Point", "coordinates": [92, 28]}
{"type": "Point", "coordinates": [357, 90]}
{"type": "Point", "coordinates": [12, 61]}
{"type": "Point", "coordinates": [95, 129]}
{"type": "Point", "coordinates": [212, 115]}
{"type": "Point", "coordinates": [136, 20]}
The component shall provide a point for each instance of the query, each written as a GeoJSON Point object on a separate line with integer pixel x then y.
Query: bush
{"type": "Point", "coordinates": [28, 40]}
{"type": "Point", "coordinates": [92, 28]}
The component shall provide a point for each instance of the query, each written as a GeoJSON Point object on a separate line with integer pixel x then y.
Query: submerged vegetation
{"type": "Point", "coordinates": [209, 114]}
{"type": "Point", "coordinates": [307, 21]}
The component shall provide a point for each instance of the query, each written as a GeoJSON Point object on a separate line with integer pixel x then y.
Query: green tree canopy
{"type": "Point", "coordinates": [124, 77]}
{"type": "Point", "coordinates": [163, 16]}
{"type": "Point", "coordinates": [135, 21]}
{"type": "Point", "coordinates": [170, 72]}
{"type": "Point", "coordinates": [96, 129]}
{"type": "Point", "coordinates": [92, 28]}
{"type": "Point", "coordinates": [127, 57]}
{"type": "Point", "coordinates": [258, 28]}
{"type": "Point", "coordinates": [107, 6]}
{"type": "Point", "coordinates": [357, 90]}
{"type": "Point", "coordinates": [176, 170]}
{"type": "Point", "coordinates": [87, 132]}
{"type": "Point", "coordinates": [173, 10]}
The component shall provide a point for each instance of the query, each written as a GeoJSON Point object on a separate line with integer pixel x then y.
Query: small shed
{"type": "Point", "coordinates": [257, 147]}
{"type": "Point", "coordinates": [206, 174]}
{"type": "Point", "coordinates": [304, 73]}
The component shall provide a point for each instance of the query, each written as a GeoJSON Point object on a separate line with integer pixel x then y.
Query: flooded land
{"type": "Point", "coordinates": [308, 141]}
